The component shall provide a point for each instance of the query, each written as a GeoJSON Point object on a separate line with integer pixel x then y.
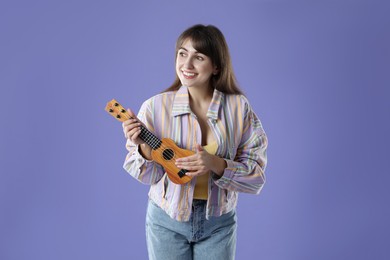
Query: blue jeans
{"type": "Point", "coordinates": [199, 238]}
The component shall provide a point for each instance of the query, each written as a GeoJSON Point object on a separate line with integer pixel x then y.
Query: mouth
{"type": "Point", "coordinates": [188, 75]}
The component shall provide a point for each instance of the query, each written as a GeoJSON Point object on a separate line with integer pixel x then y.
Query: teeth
{"type": "Point", "coordinates": [188, 74]}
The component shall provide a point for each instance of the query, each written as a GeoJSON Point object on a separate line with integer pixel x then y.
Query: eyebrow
{"type": "Point", "coordinates": [188, 51]}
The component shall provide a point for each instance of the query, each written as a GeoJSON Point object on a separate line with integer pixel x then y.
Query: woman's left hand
{"type": "Point", "coordinates": [201, 163]}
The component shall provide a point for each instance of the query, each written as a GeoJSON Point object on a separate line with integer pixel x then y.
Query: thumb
{"type": "Point", "coordinates": [199, 148]}
{"type": "Point", "coordinates": [131, 113]}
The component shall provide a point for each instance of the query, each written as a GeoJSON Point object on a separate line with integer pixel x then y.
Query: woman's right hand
{"type": "Point", "coordinates": [132, 128]}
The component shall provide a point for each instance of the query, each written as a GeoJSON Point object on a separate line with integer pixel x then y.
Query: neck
{"type": "Point", "coordinates": [200, 96]}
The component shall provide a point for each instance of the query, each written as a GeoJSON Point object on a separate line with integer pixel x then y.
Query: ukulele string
{"type": "Point", "coordinates": [150, 138]}
{"type": "Point", "coordinates": [147, 136]}
{"type": "Point", "coordinates": [162, 147]}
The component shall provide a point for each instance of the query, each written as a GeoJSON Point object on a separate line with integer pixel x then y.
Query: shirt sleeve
{"type": "Point", "coordinates": [143, 170]}
{"type": "Point", "coordinates": [246, 173]}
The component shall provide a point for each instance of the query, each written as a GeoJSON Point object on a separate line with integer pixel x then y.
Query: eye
{"type": "Point", "coordinates": [200, 58]}
{"type": "Point", "coordinates": [182, 54]}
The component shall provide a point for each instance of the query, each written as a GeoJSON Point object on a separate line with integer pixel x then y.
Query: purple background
{"type": "Point", "coordinates": [316, 72]}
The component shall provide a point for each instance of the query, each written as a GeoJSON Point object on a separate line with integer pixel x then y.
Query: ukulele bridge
{"type": "Point", "coordinates": [182, 173]}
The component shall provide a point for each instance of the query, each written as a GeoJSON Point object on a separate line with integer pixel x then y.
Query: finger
{"type": "Point", "coordinates": [133, 117]}
{"type": "Point", "coordinates": [192, 166]}
{"type": "Point", "coordinates": [199, 148]}
{"type": "Point", "coordinates": [132, 114]}
{"type": "Point", "coordinates": [190, 158]}
{"type": "Point", "coordinates": [133, 133]}
{"type": "Point", "coordinates": [187, 166]}
{"type": "Point", "coordinates": [189, 163]}
{"type": "Point", "coordinates": [194, 173]}
{"type": "Point", "coordinates": [191, 173]}
{"type": "Point", "coordinates": [133, 124]}
{"type": "Point", "coordinates": [130, 127]}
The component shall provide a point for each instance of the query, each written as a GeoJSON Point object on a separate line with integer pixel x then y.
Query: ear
{"type": "Point", "coordinates": [215, 71]}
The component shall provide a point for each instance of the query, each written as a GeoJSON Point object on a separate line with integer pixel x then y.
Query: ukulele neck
{"type": "Point", "coordinates": [149, 138]}
{"type": "Point", "coordinates": [119, 112]}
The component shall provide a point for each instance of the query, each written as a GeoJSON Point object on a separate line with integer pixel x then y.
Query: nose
{"type": "Point", "coordinates": [188, 64]}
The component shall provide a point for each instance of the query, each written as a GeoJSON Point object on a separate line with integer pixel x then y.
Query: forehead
{"type": "Point", "coordinates": [188, 46]}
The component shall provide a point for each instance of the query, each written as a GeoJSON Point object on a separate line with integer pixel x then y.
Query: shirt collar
{"type": "Point", "coordinates": [181, 103]}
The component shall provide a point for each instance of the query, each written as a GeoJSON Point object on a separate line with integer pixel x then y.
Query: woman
{"type": "Point", "coordinates": [204, 111]}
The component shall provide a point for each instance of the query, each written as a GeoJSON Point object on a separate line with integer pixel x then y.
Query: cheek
{"type": "Point", "coordinates": [206, 68]}
{"type": "Point", "coordinates": [177, 67]}
{"type": "Point", "coordinates": [206, 73]}
{"type": "Point", "coordinates": [178, 63]}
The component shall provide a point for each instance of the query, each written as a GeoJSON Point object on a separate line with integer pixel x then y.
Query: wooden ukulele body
{"type": "Point", "coordinates": [164, 151]}
{"type": "Point", "coordinates": [166, 156]}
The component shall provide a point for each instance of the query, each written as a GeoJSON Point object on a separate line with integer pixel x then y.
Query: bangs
{"type": "Point", "coordinates": [201, 41]}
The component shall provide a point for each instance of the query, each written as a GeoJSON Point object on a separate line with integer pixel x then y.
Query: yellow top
{"type": "Point", "coordinates": [202, 182]}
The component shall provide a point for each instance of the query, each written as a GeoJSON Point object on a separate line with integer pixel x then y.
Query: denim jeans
{"type": "Point", "coordinates": [198, 239]}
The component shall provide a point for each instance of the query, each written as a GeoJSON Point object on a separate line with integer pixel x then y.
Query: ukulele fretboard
{"type": "Point", "coordinates": [121, 114]}
{"type": "Point", "coordinates": [149, 138]}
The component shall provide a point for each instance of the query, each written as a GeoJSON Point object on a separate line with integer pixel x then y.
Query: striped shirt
{"type": "Point", "coordinates": [241, 140]}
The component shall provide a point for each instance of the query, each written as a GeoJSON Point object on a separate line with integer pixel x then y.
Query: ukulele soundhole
{"type": "Point", "coordinates": [168, 154]}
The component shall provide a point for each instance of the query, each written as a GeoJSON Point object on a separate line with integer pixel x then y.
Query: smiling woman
{"type": "Point", "coordinates": [193, 68]}
{"type": "Point", "coordinates": [203, 111]}
{"type": "Point", "coordinates": [209, 42]}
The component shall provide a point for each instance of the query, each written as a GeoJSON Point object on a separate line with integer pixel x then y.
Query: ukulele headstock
{"type": "Point", "coordinates": [117, 110]}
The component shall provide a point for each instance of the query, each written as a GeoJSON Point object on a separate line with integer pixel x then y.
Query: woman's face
{"type": "Point", "coordinates": [193, 68]}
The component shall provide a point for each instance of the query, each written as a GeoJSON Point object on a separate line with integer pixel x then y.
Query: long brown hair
{"type": "Point", "coordinates": [210, 41]}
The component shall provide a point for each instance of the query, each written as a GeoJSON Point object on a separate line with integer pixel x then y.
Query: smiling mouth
{"type": "Point", "coordinates": [188, 75]}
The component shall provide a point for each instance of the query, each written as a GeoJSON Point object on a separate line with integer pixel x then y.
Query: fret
{"type": "Point", "coordinates": [164, 151]}
{"type": "Point", "coordinates": [149, 138]}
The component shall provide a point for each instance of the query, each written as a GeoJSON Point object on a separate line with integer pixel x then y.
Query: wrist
{"type": "Point", "coordinates": [145, 151]}
{"type": "Point", "coordinates": [219, 166]}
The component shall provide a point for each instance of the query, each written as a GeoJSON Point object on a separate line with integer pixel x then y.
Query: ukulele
{"type": "Point", "coordinates": [164, 151]}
